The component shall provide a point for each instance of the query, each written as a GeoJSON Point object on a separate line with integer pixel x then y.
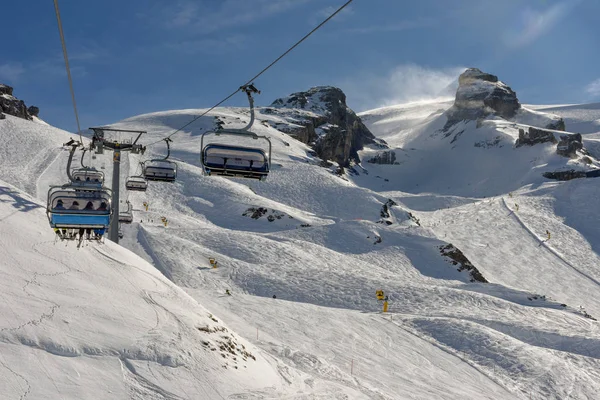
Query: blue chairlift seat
{"type": "Point", "coordinates": [78, 208]}
{"type": "Point", "coordinates": [235, 161]}
{"type": "Point", "coordinates": [160, 170]}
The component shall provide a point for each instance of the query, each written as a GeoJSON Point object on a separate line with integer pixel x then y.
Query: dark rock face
{"type": "Point", "coordinates": [327, 123]}
{"type": "Point", "coordinates": [565, 175]}
{"type": "Point", "coordinates": [33, 110]}
{"type": "Point", "coordinates": [387, 157]}
{"type": "Point", "coordinates": [2, 116]}
{"type": "Point", "coordinates": [5, 89]}
{"type": "Point", "coordinates": [569, 144]}
{"type": "Point", "coordinates": [481, 94]}
{"type": "Point", "coordinates": [534, 136]}
{"type": "Point", "coordinates": [458, 258]}
{"type": "Point", "coordinates": [11, 105]}
{"type": "Point", "coordinates": [558, 125]}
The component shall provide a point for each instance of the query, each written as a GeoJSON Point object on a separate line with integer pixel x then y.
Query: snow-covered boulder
{"type": "Point", "coordinates": [323, 120]}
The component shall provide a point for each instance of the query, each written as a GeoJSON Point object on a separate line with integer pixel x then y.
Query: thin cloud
{"type": "Point", "coordinates": [194, 17]}
{"type": "Point", "coordinates": [395, 27]}
{"type": "Point", "coordinates": [207, 45]}
{"type": "Point", "coordinates": [404, 84]}
{"type": "Point", "coordinates": [11, 72]}
{"type": "Point", "coordinates": [593, 88]}
{"type": "Point", "coordinates": [533, 24]}
{"type": "Point", "coordinates": [323, 13]}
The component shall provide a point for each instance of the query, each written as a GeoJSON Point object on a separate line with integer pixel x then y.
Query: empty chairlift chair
{"type": "Point", "coordinates": [235, 161]}
{"type": "Point", "coordinates": [136, 183]}
{"type": "Point", "coordinates": [126, 217]}
{"type": "Point", "coordinates": [160, 170]}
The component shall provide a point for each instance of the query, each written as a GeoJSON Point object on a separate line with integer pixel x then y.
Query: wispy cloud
{"type": "Point", "coordinates": [404, 83]}
{"type": "Point", "coordinates": [395, 27]}
{"type": "Point", "coordinates": [323, 13]}
{"type": "Point", "coordinates": [11, 72]}
{"type": "Point", "coordinates": [593, 88]}
{"type": "Point", "coordinates": [207, 45]}
{"type": "Point", "coordinates": [196, 17]}
{"type": "Point", "coordinates": [533, 24]}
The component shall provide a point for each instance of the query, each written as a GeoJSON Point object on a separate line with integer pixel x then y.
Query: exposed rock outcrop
{"type": "Point", "coordinates": [13, 106]}
{"type": "Point", "coordinates": [569, 144]}
{"type": "Point", "coordinates": [565, 175]}
{"type": "Point", "coordinates": [534, 136]}
{"type": "Point", "coordinates": [481, 94]}
{"type": "Point", "coordinates": [458, 258]}
{"type": "Point", "coordinates": [321, 118]}
{"type": "Point", "coordinates": [33, 111]}
{"type": "Point", "coordinates": [557, 125]}
{"type": "Point", "coordinates": [387, 157]}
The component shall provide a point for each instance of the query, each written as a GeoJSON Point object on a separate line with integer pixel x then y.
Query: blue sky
{"type": "Point", "coordinates": [136, 56]}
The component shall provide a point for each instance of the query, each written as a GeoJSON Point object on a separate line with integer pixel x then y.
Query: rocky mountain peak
{"type": "Point", "coordinates": [319, 99]}
{"type": "Point", "coordinates": [323, 120]}
{"type": "Point", "coordinates": [10, 105]}
{"type": "Point", "coordinates": [481, 94]}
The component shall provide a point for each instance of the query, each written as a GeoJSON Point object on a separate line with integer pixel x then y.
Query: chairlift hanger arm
{"type": "Point", "coordinates": [74, 145]}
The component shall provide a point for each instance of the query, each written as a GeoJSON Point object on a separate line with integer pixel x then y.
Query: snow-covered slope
{"type": "Point", "coordinates": [322, 245]}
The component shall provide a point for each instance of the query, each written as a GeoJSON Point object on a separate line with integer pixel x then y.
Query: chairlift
{"type": "Point", "coordinates": [136, 183]}
{"type": "Point", "coordinates": [72, 210]}
{"type": "Point", "coordinates": [126, 217]}
{"type": "Point", "coordinates": [78, 208]}
{"type": "Point", "coordinates": [234, 160]}
{"type": "Point", "coordinates": [88, 177]}
{"type": "Point", "coordinates": [160, 169]}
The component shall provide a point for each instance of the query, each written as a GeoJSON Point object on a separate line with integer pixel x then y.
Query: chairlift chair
{"type": "Point", "coordinates": [76, 208]}
{"type": "Point", "coordinates": [234, 160]}
{"type": "Point", "coordinates": [160, 169]}
{"type": "Point", "coordinates": [126, 217]}
{"type": "Point", "coordinates": [136, 183]}
{"type": "Point", "coordinates": [88, 177]}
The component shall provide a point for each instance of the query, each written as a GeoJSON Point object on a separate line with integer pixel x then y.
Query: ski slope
{"type": "Point", "coordinates": [134, 319]}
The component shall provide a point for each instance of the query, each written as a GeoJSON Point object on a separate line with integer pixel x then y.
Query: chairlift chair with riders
{"type": "Point", "coordinates": [88, 176]}
{"type": "Point", "coordinates": [160, 169]}
{"type": "Point", "coordinates": [233, 160]}
{"type": "Point", "coordinates": [76, 208]}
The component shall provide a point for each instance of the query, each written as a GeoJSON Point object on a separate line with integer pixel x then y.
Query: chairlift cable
{"type": "Point", "coordinates": [259, 74]}
{"type": "Point", "coordinates": [64, 49]}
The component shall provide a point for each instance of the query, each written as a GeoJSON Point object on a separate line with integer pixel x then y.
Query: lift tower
{"type": "Point", "coordinates": [99, 143]}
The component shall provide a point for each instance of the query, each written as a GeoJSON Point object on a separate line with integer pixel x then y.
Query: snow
{"type": "Point", "coordinates": [140, 319]}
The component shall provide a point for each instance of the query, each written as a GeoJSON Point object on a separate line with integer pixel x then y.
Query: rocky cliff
{"type": "Point", "coordinates": [9, 104]}
{"type": "Point", "coordinates": [321, 118]}
{"type": "Point", "coordinates": [480, 95]}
